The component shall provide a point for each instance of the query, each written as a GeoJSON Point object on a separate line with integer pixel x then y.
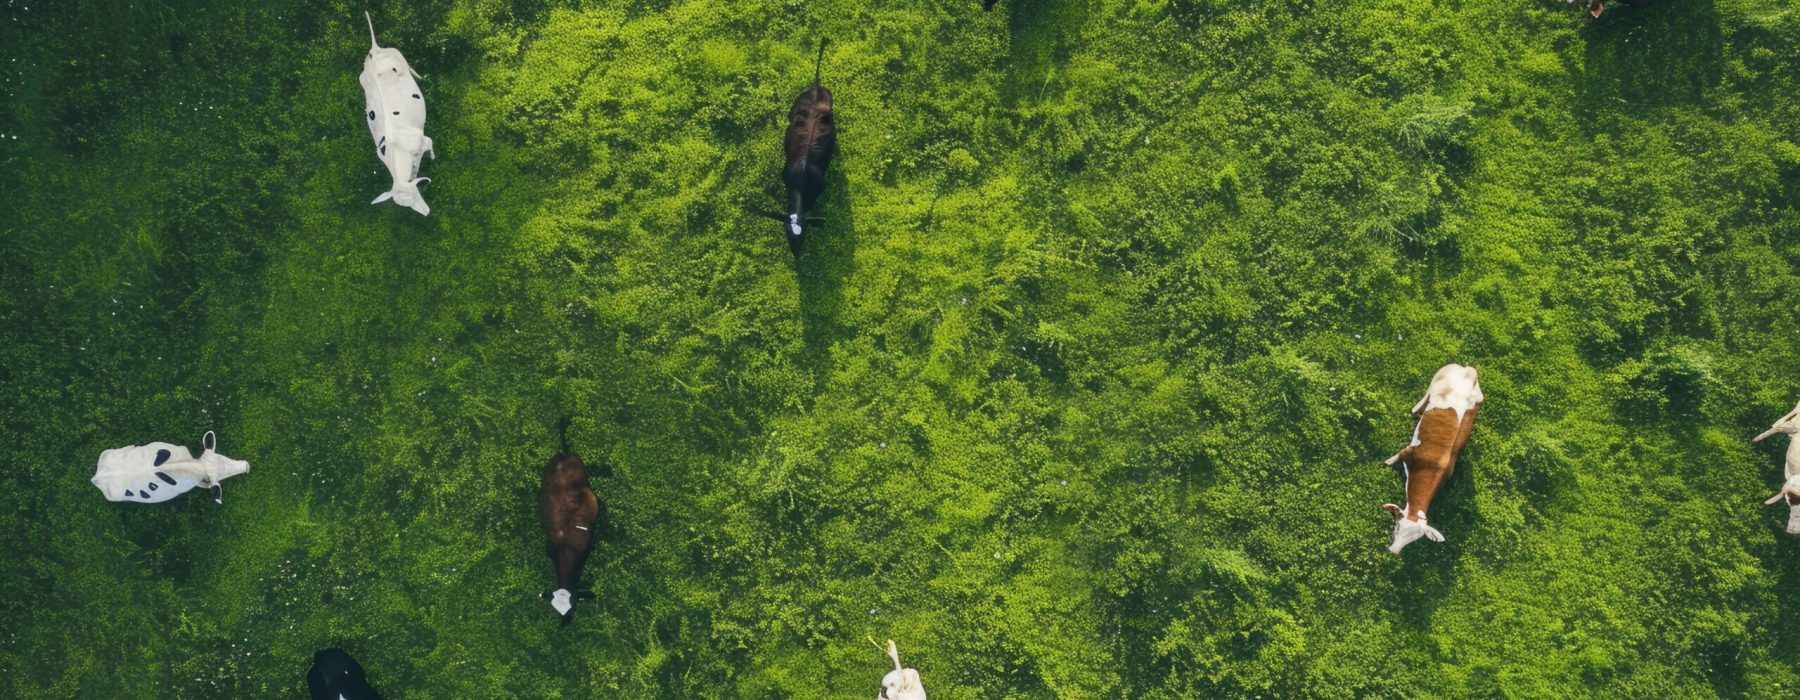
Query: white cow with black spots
{"type": "Point", "coordinates": [1790, 487]}
{"type": "Point", "coordinates": [395, 111]}
{"type": "Point", "coordinates": [160, 471]}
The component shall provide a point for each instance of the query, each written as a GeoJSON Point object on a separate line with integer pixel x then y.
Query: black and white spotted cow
{"type": "Point", "coordinates": [160, 471]}
{"type": "Point", "coordinates": [395, 110]}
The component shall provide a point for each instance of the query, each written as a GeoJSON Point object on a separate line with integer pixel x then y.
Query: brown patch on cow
{"type": "Point", "coordinates": [1429, 463]}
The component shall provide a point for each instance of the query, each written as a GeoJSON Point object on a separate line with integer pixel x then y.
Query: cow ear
{"type": "Point", "coordinates": [385, 196]}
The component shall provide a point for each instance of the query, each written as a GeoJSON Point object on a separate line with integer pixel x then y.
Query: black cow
{"type": "Point", "coordinates": [811, 142]}
{"type": "Point", "coordinates": [336, 676]}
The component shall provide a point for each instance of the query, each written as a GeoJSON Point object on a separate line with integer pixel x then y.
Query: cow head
{"type": "Point", "coordinates": [900, 683]}
{"type": "Point", "coordinates": [1789, 424]}
{"type": "Point", "coordinates": [562, 600]}
{"type": "Point", "coordinates": [218, 466]}
{"type": "Point", "coordinates": [1407, 531]}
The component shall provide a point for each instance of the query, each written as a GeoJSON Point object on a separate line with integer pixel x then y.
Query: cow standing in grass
{"type": "Point", "coordinates": [811, 142]}
{"type": "Point", "coordinates": [1790, 487]}
{"type": "Point", "coordinates": [568, 509]}
{"type": "Point", "coordinates": [1446, 415]}
{"type": "Point", "coordinates": [394, 107]}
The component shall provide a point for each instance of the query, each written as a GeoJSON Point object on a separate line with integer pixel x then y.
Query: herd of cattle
{"type": "Point", "coordinates": [567, 506]}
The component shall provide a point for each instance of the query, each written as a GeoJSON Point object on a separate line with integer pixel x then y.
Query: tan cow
{"type": "Point", "coordinates": [1790, 489]}
{"type": "Point", "coordinates": [1446, 415]}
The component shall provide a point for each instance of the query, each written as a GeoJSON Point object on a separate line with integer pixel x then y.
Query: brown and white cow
{"type": "Point", "coordinates": [1446, 415]}
{"type": "Point", "coordinates": [1790, 488]}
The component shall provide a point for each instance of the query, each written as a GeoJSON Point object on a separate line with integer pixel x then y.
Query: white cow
{"type": "Point", "coordinates": [1790, 489]}
{"type": "Point", "coordinates": [160, 471]}
{"type": "Point", "coordinates": [395, 110]}
{"type": "Point", "coordinates": [900, 683]}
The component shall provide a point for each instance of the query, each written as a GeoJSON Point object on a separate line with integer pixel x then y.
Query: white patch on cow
{"type": "Point", "coordinates": [1407, 531]}
{"type": "Point", "coordinates": [1454, 387]}
{"type": "Point", "coordinates": [560, 601]}
{"type": "Point", "coordinates": [394, 109]}
{"type": "Point", "coordinates": [793, 224]}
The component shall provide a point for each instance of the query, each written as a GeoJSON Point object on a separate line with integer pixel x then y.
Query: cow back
{"type": "Point", "coordinates": [811, 142]}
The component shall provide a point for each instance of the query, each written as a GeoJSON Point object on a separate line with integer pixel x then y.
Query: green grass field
{"type": "Point", "coordinates": [1081, 390]}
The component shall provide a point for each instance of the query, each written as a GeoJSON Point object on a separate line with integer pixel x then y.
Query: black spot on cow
{"type": "Point", "coordinates": [417, 97]}
{"type": "Point", "coordinates": [152, 486]}
{"type": "Point", "coordinates": [144, 495]}
{"type": "Point", "coordinates": [161, 456]}
{"type": "Point", "coordinates": [371, 115]}
{"type": "Point", "coordinates": [396, 114]}
{"type": "Point", "coordinates": [382, 150]}
{"type": "Point", "coordinates": [129, 494]}
{"type": "Point", "coordinates": [166, 478]}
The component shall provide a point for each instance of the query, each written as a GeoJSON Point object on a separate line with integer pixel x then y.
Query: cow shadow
{"type": "Point", "coordinates": [1425, 577]}
{"type": "Point", "coordinates": [826, 264]}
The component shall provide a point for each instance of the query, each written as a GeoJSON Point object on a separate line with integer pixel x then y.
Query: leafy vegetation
{"type": "Point", "coordinates": [1080, 391]}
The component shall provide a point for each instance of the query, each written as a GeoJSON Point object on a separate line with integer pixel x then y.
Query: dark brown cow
{"type": "Point", "coordinates": [811, 142]}
{"type": "Point", "coordinates": [568, 509]}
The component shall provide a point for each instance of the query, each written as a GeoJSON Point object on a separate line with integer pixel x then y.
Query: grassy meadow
{"type": "Point", "coordinates": [1080, 390]}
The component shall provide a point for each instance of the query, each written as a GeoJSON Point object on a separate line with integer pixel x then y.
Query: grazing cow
{"type": "Point", "coordinates": [568, 509]}
{"type": "Point", "coordinates": [1790, 488]}
{"type": "Point", "coordinates": [336, 676]}
{"type": "Point", "coordinates": [900, 683]}
{"type": "Point", "coordinates": [395, 110]}
{"type": "Point", "coordinates": [811, 142]}
{"type": "Point", "coordinates": [160, 471]}
{"type": "Point", "coordinates": [1446, 415]}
